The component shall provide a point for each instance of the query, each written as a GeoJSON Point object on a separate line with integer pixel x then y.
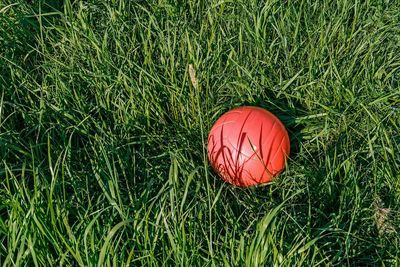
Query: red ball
{"type": "Point", "coordinates": [248, 146]}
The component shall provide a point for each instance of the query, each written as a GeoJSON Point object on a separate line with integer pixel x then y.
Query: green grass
{"type": "Point", "coordinates": [103, 136]}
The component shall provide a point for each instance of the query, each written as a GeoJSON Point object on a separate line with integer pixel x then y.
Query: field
{"type": "Point", "coordinates": [103, 132]}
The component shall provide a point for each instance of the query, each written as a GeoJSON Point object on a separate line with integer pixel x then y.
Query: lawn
{"type": "Point", "coordinates": [103, 132]}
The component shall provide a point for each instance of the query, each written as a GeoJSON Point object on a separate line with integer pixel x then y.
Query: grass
{"type": "Point", "coordinates": [103, 135]}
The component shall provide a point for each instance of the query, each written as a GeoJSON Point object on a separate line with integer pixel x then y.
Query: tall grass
{"type": "Point", "coordinates": [103, 133]}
